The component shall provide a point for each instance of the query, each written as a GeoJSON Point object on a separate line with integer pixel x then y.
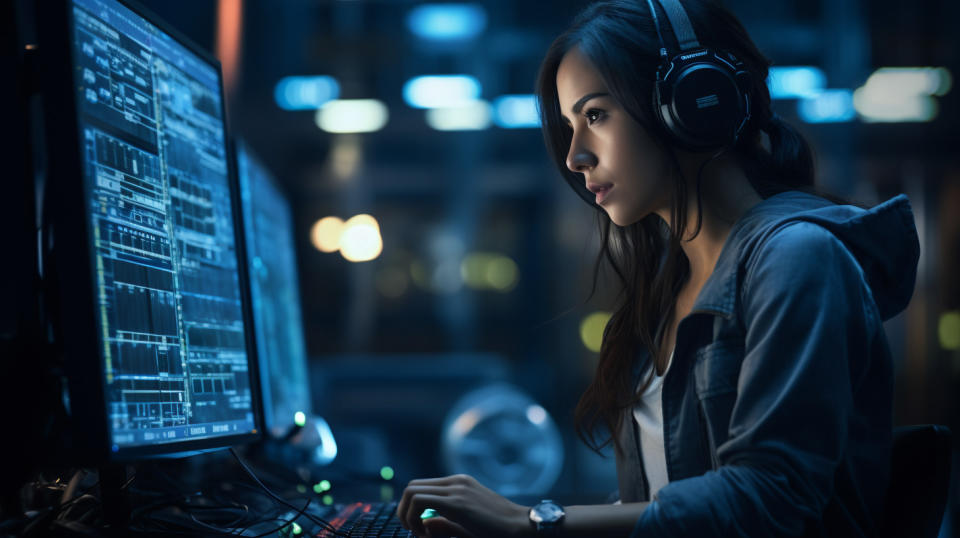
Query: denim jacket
{"type": "Point", "coordinates": [777, 409]}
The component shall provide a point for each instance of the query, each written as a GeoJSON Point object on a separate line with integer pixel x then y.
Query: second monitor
{"type": "Point", "coordinates": [275, 294]}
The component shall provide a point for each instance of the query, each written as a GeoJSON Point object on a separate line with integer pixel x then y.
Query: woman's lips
{"type": "Point", "coordinates": [600, 189]}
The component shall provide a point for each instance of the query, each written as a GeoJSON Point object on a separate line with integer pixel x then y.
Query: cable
{"type": "Point", "coordinates": [72, 486]}
{"type": "Point", "coordinates": [49, 515]}
{"type": "Point", "coordinates": [286, 523]}
{"type": "Point", "coordinates": [190, 516]}
{"type": "Point", "coordinates": [325, 524]}
{"type": "Point", "coordinates": [182, 501]}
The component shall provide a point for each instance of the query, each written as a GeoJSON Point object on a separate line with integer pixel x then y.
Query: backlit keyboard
{"type": "Point", "coordinates": [367, 520]}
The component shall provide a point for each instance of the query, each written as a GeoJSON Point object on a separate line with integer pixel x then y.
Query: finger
{"type": "Point", "coordinates": [404, 505]}
{"type": "Point", "coordinates": [401, 506]}
{"type": "Point", "coordinates": [441, 527]}
{"type": "Point", "coordinates": [444, 481]}
{"type": "Point", "coordinates": [419, 503]}
{"type": "Point", "coordinates": [438, 481]}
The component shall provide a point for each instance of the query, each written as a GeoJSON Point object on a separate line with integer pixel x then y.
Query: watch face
{"type": "Point", "coordinates": [546, 512]}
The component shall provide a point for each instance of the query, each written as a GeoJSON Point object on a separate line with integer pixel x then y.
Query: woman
{"type": "Point", "coordinates": [744, 378]}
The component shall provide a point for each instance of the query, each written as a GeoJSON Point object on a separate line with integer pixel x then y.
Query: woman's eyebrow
{"type": "Point", "coordinates": [578, 106]}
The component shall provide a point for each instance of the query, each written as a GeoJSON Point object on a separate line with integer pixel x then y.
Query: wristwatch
{"type": "Point", "coordinates": [546, 517]}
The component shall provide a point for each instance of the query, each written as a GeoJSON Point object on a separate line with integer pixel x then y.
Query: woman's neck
{"type": "Point", "coordinates": [726, 195]}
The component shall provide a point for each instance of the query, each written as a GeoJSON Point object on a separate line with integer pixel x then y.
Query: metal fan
{"type": "Point", "coordinates": [504, 439]}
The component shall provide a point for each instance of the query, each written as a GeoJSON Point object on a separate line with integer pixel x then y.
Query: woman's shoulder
{"type": "Point", "coordinates": [879, 246]}
{"type": "Point", "coordinates": [795, 250]}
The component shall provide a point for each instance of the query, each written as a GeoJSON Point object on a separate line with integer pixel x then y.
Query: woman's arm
{"type": "Point", "coordinates": [465, 508]}
{"type": "Point", "coordinates": [599, 520]}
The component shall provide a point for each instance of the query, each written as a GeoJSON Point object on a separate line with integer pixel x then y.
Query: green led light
{"type": "Point", "coordinates": [328, 500]}
{"type": "Point", "coordinates": [324, 485]}
{"type": "Point", "coordinates": [386, 472]}
{"type": "Point", "coordinates": [296, 529]}
{"type": "Point", "coordinates": [386, 493]}
{"type": "Point", "coordinates": [428, 513]}
{"type": "Point", "coordinates": [318, 488]}
{"type": "Point", "coordinates": [301, 488]}
{"type": "Point", "coordinates": [300, 418]}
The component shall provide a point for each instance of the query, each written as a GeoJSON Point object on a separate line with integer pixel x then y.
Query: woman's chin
{"type": "Point", "coordinates": [619, 218]}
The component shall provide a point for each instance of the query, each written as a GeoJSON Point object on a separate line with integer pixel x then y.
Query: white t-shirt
{"type": "Point", "coordinates": [649, 416]}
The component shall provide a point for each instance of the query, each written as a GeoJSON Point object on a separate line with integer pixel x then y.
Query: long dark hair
{"type": "Point", "coordinates": [619, 38]}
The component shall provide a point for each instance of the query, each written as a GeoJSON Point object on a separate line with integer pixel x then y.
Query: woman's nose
{"type": "Point", "coordinates": [580, 159]}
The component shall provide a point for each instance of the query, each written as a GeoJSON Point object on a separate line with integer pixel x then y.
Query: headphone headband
{"type": "Point", "coordinates": [701, 96]}
{"type": "Point", "coordinates": [680, 24]}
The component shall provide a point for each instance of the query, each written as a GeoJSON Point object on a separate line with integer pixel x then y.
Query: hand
{"type": "Point", "coordinates": [464, 509]}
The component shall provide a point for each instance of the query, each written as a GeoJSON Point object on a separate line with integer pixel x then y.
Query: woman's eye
{"type": "Point", "coordinates": [593, 115]}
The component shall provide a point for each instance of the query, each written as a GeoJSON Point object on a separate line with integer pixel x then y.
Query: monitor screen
{"type": "Point", "coordinates": [158, 198]}
{"type": "Point", "coordinates": [275, 295]}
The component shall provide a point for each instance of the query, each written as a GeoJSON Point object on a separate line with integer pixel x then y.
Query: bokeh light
{"type": "Point", "coordinates": [447, 22]}
{"type": "Point", "coordinates": [536, 414]}
{"type": "Point", "coordinates": [470, 116]}
{"type": "Point", "coordinates": [325, 234]}
{"type": "Point", "coordinates": [828, 106]}
{"type": "Point", "coordinates": [902, 94]}
{"type": "Point", "coordinates": [591, 330]}
{"type": "Point", "coordinates": [441, 91]}
{"type": "Point", "coordinates": [386, 472]}
{"type": "Point", "coordinates": [305, 93]}
{"type": "Point", "coordinates": [792, 82]}
{"type": "Point", "coordinates": [352, 116]}
{"type": "Point", "coordinates": [361, 241]}
{"type": "Point", "coordinates": [949, 330]}
{"type": "Point", "coordinates": [489, 271]}
{"type": "Point", "coordinates": [502, 273]}
{"type": "Point", "coordinates": [516, 111]}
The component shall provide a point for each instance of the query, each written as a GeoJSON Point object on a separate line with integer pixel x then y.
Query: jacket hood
{"type": "Point", "coordinates": [883, 239]}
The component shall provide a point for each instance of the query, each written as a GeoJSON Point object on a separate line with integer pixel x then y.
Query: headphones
{"type": "Point", "coordinates": [701, 96]}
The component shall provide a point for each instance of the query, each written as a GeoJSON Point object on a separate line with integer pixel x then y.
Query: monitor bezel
{"type": "Point", "coordinates": [77, 342]}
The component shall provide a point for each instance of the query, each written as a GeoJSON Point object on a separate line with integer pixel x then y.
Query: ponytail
{"type": "Point", "coordinates": [790, 154]}
{"type": "Point", "coordinates": [788, 165]}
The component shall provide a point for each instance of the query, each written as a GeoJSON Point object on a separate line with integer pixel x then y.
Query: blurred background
{"type": "Point", "coordinates": [476, 265]}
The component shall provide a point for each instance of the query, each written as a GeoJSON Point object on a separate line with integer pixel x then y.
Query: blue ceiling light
{"type": "Point", "coordinates": [829, 106]}
{"type": "Point", "coordinates": [305, 93]}
{"type": "Point", "coordinates": [796, 82]}
{"type": "Point", "coordinates": [516, 111]}
{"type": "Point", "coordinates": [441, 91]}
{"type": "Point", "coordinates": [447, 22]}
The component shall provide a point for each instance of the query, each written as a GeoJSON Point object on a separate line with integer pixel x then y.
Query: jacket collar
{"type": "Point", "coordinates": [718, 293]}
{"type": "Point", "coordinates": [883, 238]}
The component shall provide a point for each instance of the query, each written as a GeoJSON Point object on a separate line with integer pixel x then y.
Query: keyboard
{"type": "Point", "coordinates": [367, 520]}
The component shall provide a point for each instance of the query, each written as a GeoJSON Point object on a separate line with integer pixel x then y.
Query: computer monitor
{"type": "Point", "coordinates": [142, 208]}
{"type": "Point", "coordinates": [275, 295]}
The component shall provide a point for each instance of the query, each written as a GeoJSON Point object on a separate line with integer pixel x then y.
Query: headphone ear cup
{"type": "Point", "coordinates": [744, 81]}
{"type": "Point", "coordinates": [701, 102]}
{"type": "Point", "coordinates": [660, 113]}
